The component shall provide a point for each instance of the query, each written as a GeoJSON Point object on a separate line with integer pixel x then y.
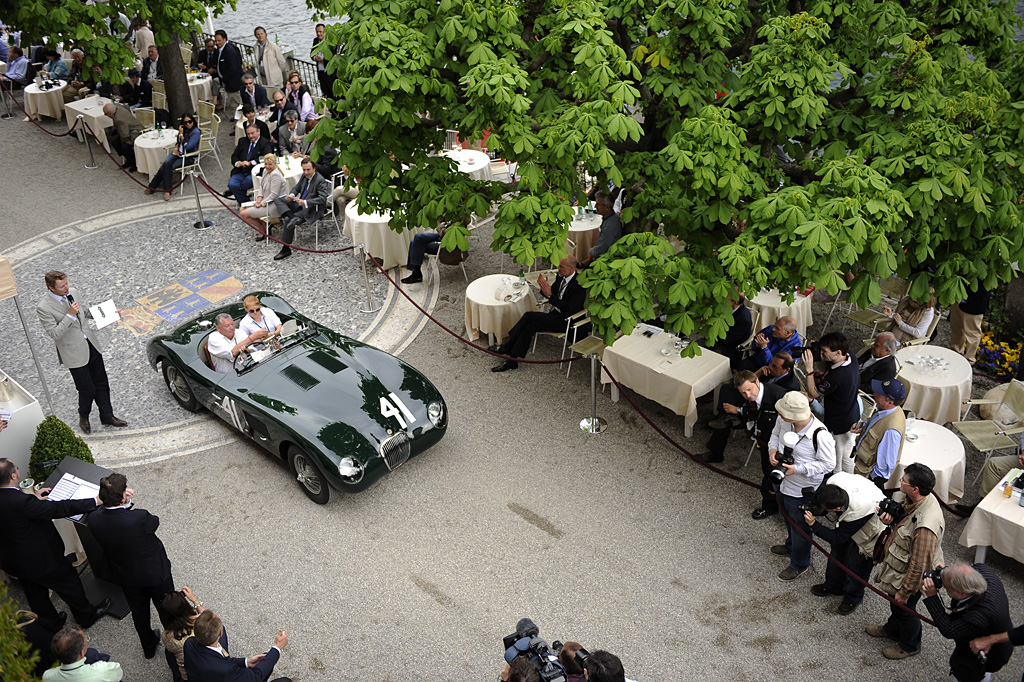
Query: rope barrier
{"type": "Point", "coordinates": [10, 91]}
{"type": "Point", "coordinates": [125, 170]}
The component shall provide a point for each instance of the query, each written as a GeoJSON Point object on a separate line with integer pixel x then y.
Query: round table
{"type": "Point", "coordinates": [381, 242]}
{"type": "Point", "coordinates": [262, 115]}
{"type": "Point", "coordinates": [151, 149]}
{"type": "Point", "coordinates": [200, 88]}
{"type": "Point", "coordinates": [488, 314]}
{"type": "Point", "coordinates": [772, 306]}
{"type": "Point", "coordinates": [91, 109]}
{"type": "Point", "coordinates": [942, 451]}
{"type": "Point", "coordinates": [583, 231]}
{"type": "Point", "coordinates": [45, 102]}
{"type": "Point", "coordinates": [290, 168]}
{"type": "Point", "coordinates": [934, 394]}
{"type": "Point", "coordinates": [473, 163]}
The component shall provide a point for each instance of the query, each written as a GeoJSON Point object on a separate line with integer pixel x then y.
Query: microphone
{"type": "Point", "coordinates": [71, 299]}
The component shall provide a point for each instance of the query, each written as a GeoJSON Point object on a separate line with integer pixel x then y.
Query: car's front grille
{"type": "Point", "coordinates": [396, 450]}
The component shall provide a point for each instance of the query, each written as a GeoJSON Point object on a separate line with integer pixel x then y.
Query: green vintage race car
{"type": "Point", "coordinates": [341, 413]}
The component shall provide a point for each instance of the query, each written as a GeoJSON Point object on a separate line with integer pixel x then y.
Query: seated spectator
{"type": "Point", "coordinates": [54, 66]}
{"type": "Point", "coordinates": [247, 153]}
{"type": "Point", "coordinates": [151, 67]}
{"type": "Point", "coordinates": [300, 97]}
{"type": "Point", "coordinates": [911, 318]}
{"type": "Point", "coordinates": [272, 186]}
{"type": "Point", "coordinates": [995, 469]}
{"type": "Point", "coordinates": [206, 60]}
{"type": "Point", "coordinates": [4, 49]}
{"type": "Point", "coordinates": [880, 440]}
{"type": "Point", "coordinates": [341, 196]}
{"type": "Point", "coordinates": [566, 296]}
{"type": "Point", "coordinates": [780, 372]}
{"type": "Point", "coordinates": [611, 228]}
{"type": "Point", "coordinates": [738, 333]}
{"type": "Point", "coordinates": [291, 140]}
{"type": "Point", "coordinates": [249, 118]}
{"type": "Point", "coordinates": [567, 658]}
{"type": "Point", "coordinates": [126, 129]}
{"type": "Point", "coordinates": [178, 612]}
{"type": "Point", "coordinates": [282, 105]}
{"type": "Point", "coordinates": [836, 387]}
{"type": "Point", "coordinates": [78, 85]}
{"type": "Point", "coordinates": [17, 69]}
{"type": "Point", "coordinates": [258, 317]}
{"type": "Point", "coordinates": [187, 145]}
{"type": "Point", "coordinates": [135, 93]}
{"type": "Point", "coordinates": [227, 342]}
{"type": "Point", "coordinates": [253, 93]}
{"type": "Point", "coordinates": [206, 654]}
{"type": "Point", "coordinates": [879, 361]}
{"type": "Point", "coordinates": [70, 646]}
{"type": "Point", "coordinates": [306, 203]}
{"type": "Point", "coordinates": [422, 243]}
{"type": "Point", "coordinates": [781, 336]}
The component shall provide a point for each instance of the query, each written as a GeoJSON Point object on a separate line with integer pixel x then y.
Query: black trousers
{"type": "Point", "coordinates": [905, 627]}
{"type": "Point", "coordinates": [138, 600]}
{"type": "Point", "coordinates": [521, 336]}
{"type": "Point", "coordinates": [291, 215]}
{"type": "Point", "coordinates": [836, 579]}
{"type": "Point", "coordinates": [64, 581]}
{"type": "Point", "coordinates": [91, 382]}
{"type": "Point", "coordinates": [125, 149]}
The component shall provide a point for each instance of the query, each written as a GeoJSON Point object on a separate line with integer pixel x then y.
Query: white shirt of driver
{"type": "Point", "coordinates": [269, 322]}
{"type": "Point", "coordinates": [220, 350]}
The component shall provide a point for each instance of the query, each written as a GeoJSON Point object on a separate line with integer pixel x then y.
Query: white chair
{"type": "Point", "coordinates": [573, 324]}
{"type": "Point", "coordinates": [989, 435]}
{"type": "Point", "coordinates": [147, 117]}
{"type": "Point", "coordinates": [159, 100]}
{"type": "Point", "coordinates": [158, 86]}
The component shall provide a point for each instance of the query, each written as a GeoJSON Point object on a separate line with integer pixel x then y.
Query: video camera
{"type": "Point", "coordinates": [526, 642]}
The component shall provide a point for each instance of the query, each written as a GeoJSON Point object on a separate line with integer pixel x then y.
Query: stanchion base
{"type": "Point", "coordinates": [92, 167]}
{"type": "Point", "coordinates": [596, 425]}
{"type": "Point", "coordinates": [374, 310]}
{"type": "Point", "coordinates": [202, 224]}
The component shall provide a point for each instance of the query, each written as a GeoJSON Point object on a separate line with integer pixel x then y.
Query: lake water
{"type": "Point", "coordinates": [289, 20]}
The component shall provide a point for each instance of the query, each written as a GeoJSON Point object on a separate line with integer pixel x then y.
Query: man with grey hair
{"type": "Point", "coordinates": [879, 361]}
{"type": "Point", "coordinates": [775, 338]}
{"type": "Point", "coordinates": [126, 129]}
{"type": "Point", "coordinates": [227, 342]}
{"type": "Point", "coordinates": [292, 137]}
{"type": "Point", "coordinates": [977, 608]}
{"type": "Point", "coordinates": [77, 83]}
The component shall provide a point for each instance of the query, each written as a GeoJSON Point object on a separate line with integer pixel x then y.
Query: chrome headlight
{"type": "Point", "coordinates": [350, 469]}
{"type": "Point", "coordinates": [435, 412]}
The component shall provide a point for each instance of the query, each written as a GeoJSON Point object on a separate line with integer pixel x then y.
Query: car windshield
{"type": "Point", "coordinates": [292, 333]}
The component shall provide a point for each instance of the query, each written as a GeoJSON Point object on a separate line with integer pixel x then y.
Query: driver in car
{"type": "Point", "coordinates": [227, 342]}
{"type": "Point", "coordinates": [257, 317]}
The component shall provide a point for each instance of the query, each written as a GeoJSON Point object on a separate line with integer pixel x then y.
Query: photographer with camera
{"type": "Point", "coordinates": [912, 546]}
{"type": "Point", "coordinates": [802, 451]}
{"type": "Point", "coordinates": [978, 607]}
{"type": "Point", "coordinates": [854, 499]}
{"type": "Point", "coordinates": [836, 386]}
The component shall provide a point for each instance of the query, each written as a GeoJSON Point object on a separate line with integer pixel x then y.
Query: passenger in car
{"type": "Point", "coordinates": [259, 318]}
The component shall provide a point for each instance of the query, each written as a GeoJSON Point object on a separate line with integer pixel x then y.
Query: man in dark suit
{"type": "Point", "coordinates": [151, 67]}
{"type": "Point", "coordinates": [136, 555]}
{"type": "Point", "coordinates": [134, 92]}
{"type": "Point", "coordinates": [321, 59]}
{"type": "Point", "coordinates": [780, 372]}
{"type": "Point", "coordinates": [747, 399]}
{"type": "Point", "coordinates": [281, 105]}
{"type": "Point", "coordinates": [207, 659]}
{"type": "Point", "coordinates": [248, 152]}
{"type": "Point", "coordinates": [739, 332]}
{"type": "Point", "coordinates": [306, 203]}
{"type": "Point", "coordinates": [878, 361]}
{"type": "Point", "coordinates": [32, 550]}
{"type": "Point", "coordinates": [229, 69]}
{"type": "Point", "coordinates": [566, 297]}
{"type": "Point", "coordinates": [253, 93]}
{"type": "Point", "coordinates": [249, 115]}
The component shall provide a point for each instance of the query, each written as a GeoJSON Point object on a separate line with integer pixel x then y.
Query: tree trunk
{"type": "Point", "coordinates": [179, 101]}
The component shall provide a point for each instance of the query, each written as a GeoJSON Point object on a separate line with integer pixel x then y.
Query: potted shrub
{"type": "Point", "coordinates": [17, 659]}
{"type": "Point", "coordinates": [54, 441]}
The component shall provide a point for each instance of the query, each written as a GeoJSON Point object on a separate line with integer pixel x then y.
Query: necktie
{"type": "Point", "coordinates": [305, 189]}
{"type": "Point", "coordinates": [561, 289]}
{"type": "Point", "coordinates": [248, 157]}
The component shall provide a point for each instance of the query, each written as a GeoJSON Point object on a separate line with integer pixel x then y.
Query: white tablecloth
{"type": "Point", "coordinates": [583, 231]}
{"type": "Point", "coordinates": [200, 88]}
{"type": "Point", "coordinates": [151, 150]}
{"type": "Point", "coordinates": [486, 314]}
{"type": "Point", "coordinates": [92, 110]}
{"type": "Point", "coordinates": [934, 395]}
{"type": "Point", "coordinates": [380, 240]}
{"type": "Point", "coordinates": [290, 168]}
{"type": "Point", "coordinates": [45, 102]}
{"type": "Point", "coordinates": [473, 163]}
{"type": "Point", "coordinates": [772, 307]}
{"type": "Point", "coordinates": [262, 115]}
{"type": "Point", "coordinates": [997, 522]}
{"type": "Point", "coordinates": [942, 451]}
{"type": "Point", "coordinates": [637, 362]}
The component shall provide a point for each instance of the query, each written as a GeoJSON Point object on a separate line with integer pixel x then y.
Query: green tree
{"type": "Point", "coordinates": [780, 144]}
{"type": "Point", "coordinates": [86, 24]}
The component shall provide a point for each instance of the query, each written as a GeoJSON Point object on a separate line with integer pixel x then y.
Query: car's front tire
{"type": "Point", "coordinates": [179, 388]}
{"type": "Point", "coordinates": [308, 476]}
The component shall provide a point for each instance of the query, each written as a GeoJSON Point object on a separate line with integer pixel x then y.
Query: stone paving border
{"type": "Point", "coordinates": [393, 328]}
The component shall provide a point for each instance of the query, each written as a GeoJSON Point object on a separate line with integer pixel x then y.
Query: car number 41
{"type": "Point", "coordinates": [388, 409]}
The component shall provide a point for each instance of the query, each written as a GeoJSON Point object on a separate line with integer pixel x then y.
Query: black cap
{"type": "Point", "coordinates": [133, 73]}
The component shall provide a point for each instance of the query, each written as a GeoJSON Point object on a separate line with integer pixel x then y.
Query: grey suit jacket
{"type": "Point", "coordinates": [316, 199]}
{"type": "Point", "coordinates": [72, 350]}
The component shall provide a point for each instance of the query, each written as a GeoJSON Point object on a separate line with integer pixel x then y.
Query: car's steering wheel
{"type": "Point", "coordinates": [243, 361]}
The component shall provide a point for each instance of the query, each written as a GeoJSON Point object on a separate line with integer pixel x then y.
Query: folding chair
{"type": "Point", "coordinates": [186, 55]}
{"type": "Point", "coordinates": [147, 117]}
{"type": "Point", "coordinates": [190, 162]}
{"type": "Point", "coordinates": [158, 86]}
{"type": "Point", "coordinates": [206, 146]}
{"type": "Point", "coordinates": [456, 257]}
{"type": "Point", "coordinates": [989, 435]}
{"type": "Point", "coordinates": [573, 324]}
{"type": "Point", "coordinates": [159, 100]}
{"type": "Point", "coordinates": [205, 112]}
{"type": "Point", "coordinates": [591, 345]}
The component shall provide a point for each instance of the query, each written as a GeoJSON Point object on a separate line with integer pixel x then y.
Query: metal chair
{"type": "Point", "coordinates": [206, 146]}
{"type": "Point", "coordinates": [159, 100]}
{"type": "Point", "coordinates": [186, 55]}
{"type": "Point", "coordinates": [205, 112]}
{"type": "Point", "coordinates": [867, 318]}
{"type": "Point", "coordinates": [451, 139]}
{"type": "Point", "coordinates": [573, 324]}
{"type": "Point", "coordinates": [591, 345]}
{"type": "Point", "coordinates": [147, 117]}
{"type": "Point", "coordinates": [449, 257]}
{"type": "Point", "coordinates": [989, 435]}
{"type": "Point", "coordinates": [190, 162]}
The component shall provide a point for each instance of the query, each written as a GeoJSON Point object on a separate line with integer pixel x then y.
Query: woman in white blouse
{"type": "Point", "coordinates": [272, 186]}
{"type": "Point", "coordinates": [911, 319]}
{"type": "Point", "coordinates": [257, 317]}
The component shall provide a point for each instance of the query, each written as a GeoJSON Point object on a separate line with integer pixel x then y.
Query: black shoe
{"type": "Point", "coordinates": [762, 513]}
{"type": "Point", "coordinates": [730, 422]}
{"type": "Point", "coordinates": [711, 458]}
{"type": "Point", "coordinates": [114, 421]}
{"type": "Point", "coordinates": [821, 590]}
{"type": "Point", "coordinates": [150, 653]}
{"type": "Point", "coordinates": [965, 509]}
{"type": "Point", "coordinates": [133, 169]}
{"type": "Point", "coordinates": [261, 237]}
{"type": "Point", "coordinates": [506, 366]}
{"type": "Point", "coordinates": [283, 253]}
{"type": "Point", "coordinates": [84, 425]}
{"type": "Point", "coordinates": [779, 550]}
{"type": "Point", "coordinates": [498, 349]}
{"type": "Point", "coordinates": [97, 613]}
{"type": "Point", "coordinates": [846, 608]}
{"type": "Point", "coordinates": [228, 194]}
{"type": "Point", "coordinates": [416, 276]}
{"type": "Point", "coordinates": [62, 618]}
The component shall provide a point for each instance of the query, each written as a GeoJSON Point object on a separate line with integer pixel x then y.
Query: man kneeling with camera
{"type": "Point", "coordinates": [802, 450]}
{"type": "Point", "coordinates": [854, 500]}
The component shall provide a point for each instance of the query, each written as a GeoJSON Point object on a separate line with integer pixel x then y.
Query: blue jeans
{"type": "Point", "coordinates": [239, 184]}
{"type": "Point", "coordinates": [424, 242]}
{"type": "Point", "coordinates": [799, 547]}
{"type": "Point", "coordinates": [165, 175]}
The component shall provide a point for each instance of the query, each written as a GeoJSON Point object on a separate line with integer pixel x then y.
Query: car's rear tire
{"type": "Point", "coordinates": [179, 388]}
{"type": "Point", "coordinates": [308, 476]}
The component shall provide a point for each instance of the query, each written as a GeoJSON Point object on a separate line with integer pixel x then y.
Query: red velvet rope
{"type": "Point", "coordinates": [10, 91]}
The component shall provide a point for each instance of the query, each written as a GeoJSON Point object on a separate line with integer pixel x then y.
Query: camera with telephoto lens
{"type": "Point", "coordinates": [785, 456]}
{"type": "Point", "coordinates": [797, 351]}
{"type": "Point", "coordinates": [525, 642]}
{"type": "Point", "coordinates": [892, 508]}
{"type": "Point", "coordinates": [936, 576]}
